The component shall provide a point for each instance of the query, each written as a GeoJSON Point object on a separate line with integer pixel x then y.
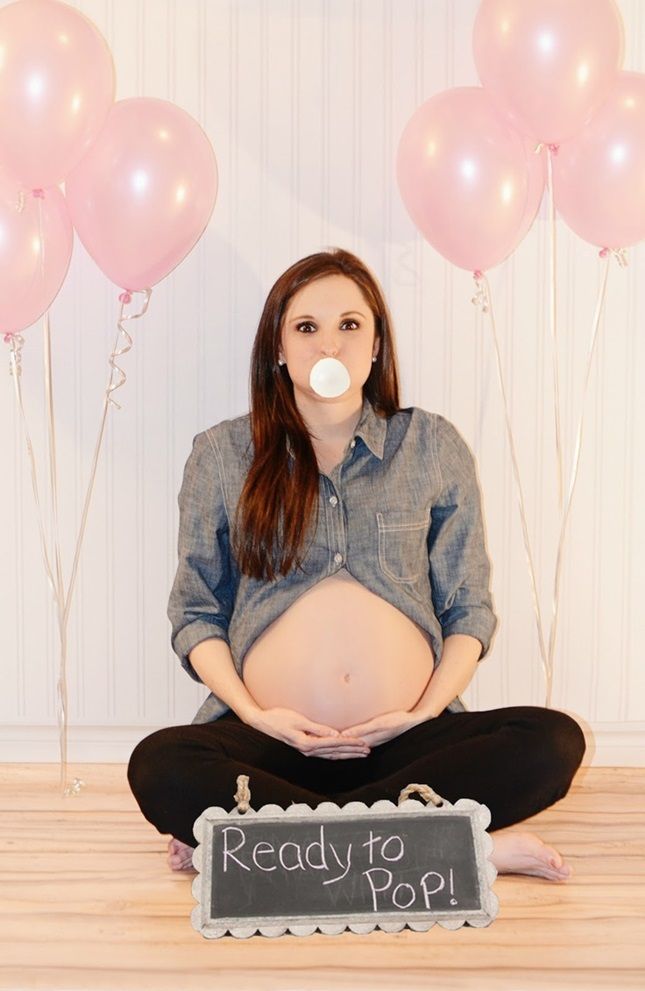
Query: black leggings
{"type": "Point", "coordinates": [516, 760]}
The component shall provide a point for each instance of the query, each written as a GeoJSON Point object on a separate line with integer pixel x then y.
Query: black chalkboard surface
{"type": "Point", "coordinates": [359, 867]}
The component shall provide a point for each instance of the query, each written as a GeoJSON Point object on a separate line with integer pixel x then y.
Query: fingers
{"type": "Point", "coordinates": [328, 733]}
{"type": "Point", "coordinates": [336, 741]}
{"type": "Point", "coordinates": [338, 752]}
{"type": "Point", "coordinates": [310, 747]}
{"type": "Point", "coordinates": [318, 729]}
{"type": "Point", "coordinates": [342, 749]}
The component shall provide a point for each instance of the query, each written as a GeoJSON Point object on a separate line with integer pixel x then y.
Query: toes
{"type": "Point", "coordinates": [181, 865]}
{"type": "Point", "coordinates": [180, 855]}
{"type": "Point", "coordinates": [559, 866]}
{"type": "Point", "coordinates": [562, 875]}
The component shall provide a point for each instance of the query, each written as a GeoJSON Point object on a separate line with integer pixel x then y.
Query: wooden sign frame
{"type": "Point", "coordinates": [359, 922]}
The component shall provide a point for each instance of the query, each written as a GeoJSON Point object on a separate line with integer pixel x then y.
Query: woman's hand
{"type": "Point", "coordinates": [310, 738]}
{"type": "Point", "coordinates": [374, 731]}
{"type": "Point", "coordinates": [377, 730]}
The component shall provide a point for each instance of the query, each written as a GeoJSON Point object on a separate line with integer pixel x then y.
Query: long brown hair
{"type": "Point", "coordinates": [278, 503]}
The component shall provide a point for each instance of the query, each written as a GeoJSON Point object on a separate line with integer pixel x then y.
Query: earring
{"type": "Point", "coordinates": [374, 358]}
{"type": "Point", "coordinates": [280, 361]}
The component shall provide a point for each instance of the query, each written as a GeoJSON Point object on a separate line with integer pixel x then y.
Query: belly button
{"type": "Point", "coordinates": [345, 677]}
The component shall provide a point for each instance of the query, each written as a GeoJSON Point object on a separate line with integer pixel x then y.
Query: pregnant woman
{"type": "Point", "coordinates": [332, 592]}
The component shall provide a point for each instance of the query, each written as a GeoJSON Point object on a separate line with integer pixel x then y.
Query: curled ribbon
{"type": "Point", "coordinates": [15, 342]}
{"type": "Point", "coordinates": [107, 402]}
{"type": "Point", "coordinates": [481, 296]}
{"type": "Point", "coordinates": [124, 299]}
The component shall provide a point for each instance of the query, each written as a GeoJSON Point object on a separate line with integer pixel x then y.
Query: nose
{"type": "Point", "coordinates": [329, 350]}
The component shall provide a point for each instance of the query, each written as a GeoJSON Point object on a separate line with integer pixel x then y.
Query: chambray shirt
{"type": "Point", "coordinates": [402, 513]}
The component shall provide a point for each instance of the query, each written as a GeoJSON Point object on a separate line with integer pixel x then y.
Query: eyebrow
{"type": "Point", "coordinates": [307, 316]}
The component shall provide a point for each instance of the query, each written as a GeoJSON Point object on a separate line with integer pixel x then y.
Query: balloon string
{"type": "Point", "coordinates": [483, 299]}
{"type": "Point", "coordinates": [576, 457]}
{"type": "Point", "coordinates": [56, 581]}
{"type": "Point", "coordinates": [53, 488]}
{"type": "Point", "coordinates": [60, 584]}
{"type": "Point", "coordinates": [67, 601]}
{"type": "Point", "coordinates": [552, 149]}
{"type": "Point", "coordinates": [124, 298]}
{"type": "Point", "coordinates": [16, 342]}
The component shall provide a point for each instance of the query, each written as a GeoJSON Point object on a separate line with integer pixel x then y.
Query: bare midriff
{"type": "Point", "coordinates": [339, 655]}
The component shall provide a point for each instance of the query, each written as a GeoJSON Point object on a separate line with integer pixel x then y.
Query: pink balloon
{"type": "Point", "coordinates": [599, 176]}
{"type": "Point", "coordinates": [31, 273]}
{"type": "Point", "coordinates": [56, 87]}
{"type": "Point", "coordinates": [467, 178]}
{"type": "Point", "coordinates": [142, 196]}
{"type": "Point", "coordinates": [548, 64]}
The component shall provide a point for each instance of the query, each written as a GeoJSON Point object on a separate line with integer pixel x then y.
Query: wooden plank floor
{"type": "Point", "coordinates": [87, 901]}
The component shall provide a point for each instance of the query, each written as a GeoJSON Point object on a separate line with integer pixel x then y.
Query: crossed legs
{"type": "Point", "coordinates": [516, 760]}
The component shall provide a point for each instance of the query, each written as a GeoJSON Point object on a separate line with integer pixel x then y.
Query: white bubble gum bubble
{"type": "Point", "coordinates": [329, 378]}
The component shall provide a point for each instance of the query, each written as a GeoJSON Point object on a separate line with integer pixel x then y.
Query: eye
{"type": "Point", "coordinates": [307, 323]}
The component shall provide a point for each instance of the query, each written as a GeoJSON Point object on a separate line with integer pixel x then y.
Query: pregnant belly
{"type": "Point", "coordinates": [340, 655]}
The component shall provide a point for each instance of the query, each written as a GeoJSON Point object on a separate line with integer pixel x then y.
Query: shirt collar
{"type": "Point", "coordinates": [371, 428]}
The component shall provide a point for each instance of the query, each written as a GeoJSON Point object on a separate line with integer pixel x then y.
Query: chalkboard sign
{"type": "Point", "coordinates": [354, 867]}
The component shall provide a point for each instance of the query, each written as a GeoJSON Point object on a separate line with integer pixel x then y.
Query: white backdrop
{"type": "Point", "coordinates": [304, 103]}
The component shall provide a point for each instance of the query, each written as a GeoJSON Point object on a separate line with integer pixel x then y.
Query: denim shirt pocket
{"type": "Point", "coordinates": [402, 548]}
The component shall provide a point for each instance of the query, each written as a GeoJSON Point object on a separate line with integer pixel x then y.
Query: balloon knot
{"type": "Point", "coordinates": [554, 149]}
{"type": "Point", "coordinates": [125, 297]}
{"type": "Point", "coordinates": [38, 194]}
{"type": "Point", "coordinates": [603, 252]}
{"type": "Point", "coordinates": [481, 296]}
{"type": "Point", "coordinates": [8, 337]}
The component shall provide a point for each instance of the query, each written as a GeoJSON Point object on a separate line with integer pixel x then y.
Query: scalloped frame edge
{"type": "Point", "coordinates": [240, 928]}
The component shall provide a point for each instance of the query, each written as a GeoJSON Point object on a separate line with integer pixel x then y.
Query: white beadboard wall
{"type": "Point", "coordinates": [304, 102]}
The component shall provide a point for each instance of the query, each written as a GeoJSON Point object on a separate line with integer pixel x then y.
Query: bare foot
{"type": "Point", "coordinates": [521, 852]}
{"type": "Point", "coordinates": [180, 855]}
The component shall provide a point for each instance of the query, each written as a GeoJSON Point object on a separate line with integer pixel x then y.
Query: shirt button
{"type": "Point", "coordinates": [338, 558]}
{"type": "Point", "coordinates": [333, 500]}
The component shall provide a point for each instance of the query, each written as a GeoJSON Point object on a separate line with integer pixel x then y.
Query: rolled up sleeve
{"type": "Point", "coordinates": [202, 595]}
{"type": "Point", "coordinates": [458, 560]}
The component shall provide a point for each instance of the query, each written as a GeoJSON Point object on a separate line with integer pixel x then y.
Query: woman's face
{"type": "Point", "coordinates": [328, 318]}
